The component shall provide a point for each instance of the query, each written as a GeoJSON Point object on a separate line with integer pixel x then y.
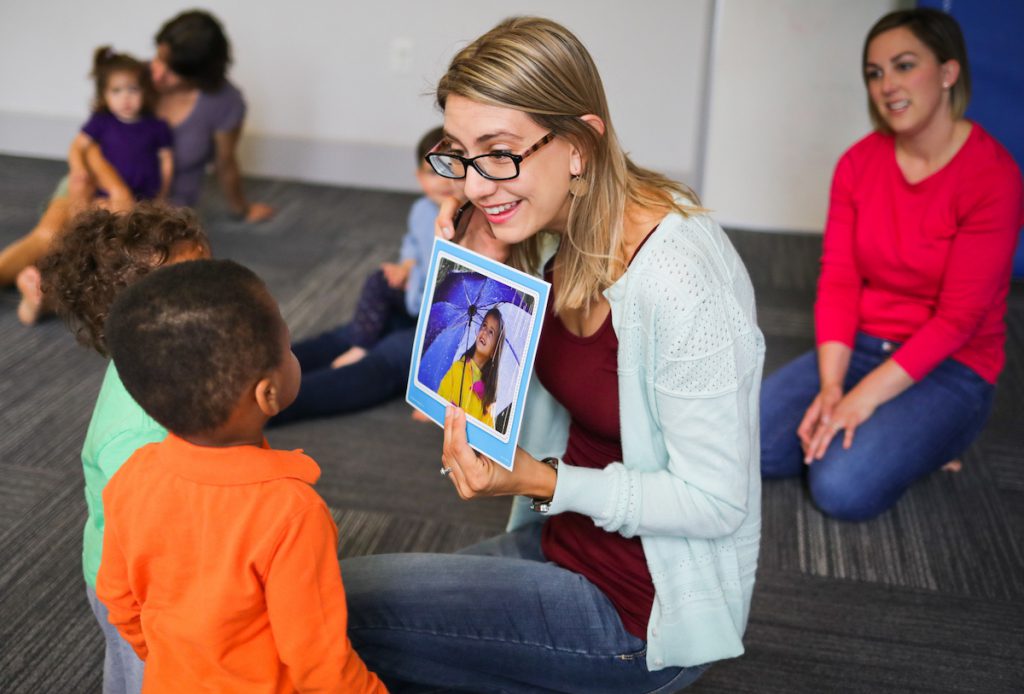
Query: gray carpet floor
{"type": "Point", "coordinates": [927, 598]}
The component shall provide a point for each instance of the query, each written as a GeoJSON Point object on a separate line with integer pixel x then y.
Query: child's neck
{"type": "Point", "coordinates": [479, 359]}
{"type": "Point", "coordinates": [127, 121]}
{"type": "Point", "coordinates": [243, 428]}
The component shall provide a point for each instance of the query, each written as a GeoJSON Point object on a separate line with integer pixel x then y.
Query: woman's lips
{"type": "Point", "coordinates": [498, 214]}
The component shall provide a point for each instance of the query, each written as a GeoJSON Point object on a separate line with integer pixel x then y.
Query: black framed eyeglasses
{"type": "Point", "coordinates": [496, 166]}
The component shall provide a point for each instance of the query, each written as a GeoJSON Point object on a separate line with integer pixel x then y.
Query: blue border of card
{"type": "Point", "coordinates": [501, 449]}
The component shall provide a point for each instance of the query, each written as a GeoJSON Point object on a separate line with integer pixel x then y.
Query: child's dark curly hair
{"type": "Point", "coordinates": [102, 252]}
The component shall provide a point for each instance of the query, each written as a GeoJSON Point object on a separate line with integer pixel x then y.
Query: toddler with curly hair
{"type": "Point", "coordinates": [101, 254]}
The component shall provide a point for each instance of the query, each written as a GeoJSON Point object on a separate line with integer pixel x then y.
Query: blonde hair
{"type": "Point", "coordinates": [539, 67]}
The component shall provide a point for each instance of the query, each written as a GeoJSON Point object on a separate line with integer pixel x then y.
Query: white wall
{"type": "Point", "coordinates": [787, 100]}
{"type": "Point", "coordinates": [332, 100]}
{"type": "Point", "coordinates": [338, 90]}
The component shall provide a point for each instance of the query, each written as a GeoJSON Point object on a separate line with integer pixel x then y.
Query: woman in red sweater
{"type": "Point", "coordinates": [915, 272]}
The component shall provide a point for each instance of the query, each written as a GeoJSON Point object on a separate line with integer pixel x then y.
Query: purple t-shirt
{"type": "Point", "coordinates": [222, 110]}
{"type": "Point", "coordinates": [131, 148]}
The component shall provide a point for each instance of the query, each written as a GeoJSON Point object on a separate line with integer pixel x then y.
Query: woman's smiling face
{"type": "Point", "coordinates": [905, 81]}
{"type": "Point", "coordinates": [538, 199]}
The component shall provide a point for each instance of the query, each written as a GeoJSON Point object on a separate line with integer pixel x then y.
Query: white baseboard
{"type": "Point", "coordinates": [331, 162]}
{"type": "Point", "coordinates": [343, 163]}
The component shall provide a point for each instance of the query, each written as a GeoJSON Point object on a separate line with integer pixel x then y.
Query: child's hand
{"type": "Point", "coordinates": [119, 201]}
{"type": "Point", "coordinates": [395, 274]}
{"type": "Point", "coordinates": [444, 224]}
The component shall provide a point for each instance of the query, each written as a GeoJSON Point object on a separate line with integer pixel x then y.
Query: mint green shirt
{"type": "Point", "coordinates": [117, 429]}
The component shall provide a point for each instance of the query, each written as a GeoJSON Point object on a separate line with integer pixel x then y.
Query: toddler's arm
{"type": "Point", "coordinates": [306, 606]}
{"type": "Point", "coordinates": [80, 186]}
{"type": "Point", "coordinates": [166, 155]}
{"type": "Point", "coordinates": [114, 591]}
{"type": "Point", "coordinates": [107, 178]}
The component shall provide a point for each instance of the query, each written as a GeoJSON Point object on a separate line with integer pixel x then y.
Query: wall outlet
{"type": "Point", "coordinates": [400, 55]}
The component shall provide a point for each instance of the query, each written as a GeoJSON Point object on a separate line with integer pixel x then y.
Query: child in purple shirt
{"type": "Point", "coordinates": [136, 143]}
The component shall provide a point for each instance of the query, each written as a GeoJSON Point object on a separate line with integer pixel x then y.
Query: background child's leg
{"type": "Point", "coordinates": [122, 669]}
{"type": "Point", "coordinates": [377, 302]}
{"type": "Point", "coordinates": [380, 376]}
{"type": "Point", "coordinates": [318, 352]}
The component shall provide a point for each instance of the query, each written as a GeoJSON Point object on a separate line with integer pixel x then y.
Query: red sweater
{"type": "Point", "coordinates": [220, 568]}
{"type": "Point", "coordinates": [927, 264]}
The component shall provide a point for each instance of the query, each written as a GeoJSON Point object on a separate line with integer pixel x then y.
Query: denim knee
{"type": "Point", "coordinates": [781, 455]}
{"type": "Point", "coordinates": [839, 492]}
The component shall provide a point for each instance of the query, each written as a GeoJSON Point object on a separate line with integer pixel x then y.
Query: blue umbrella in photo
{"type": "Point", "coordinates": [459, 304]}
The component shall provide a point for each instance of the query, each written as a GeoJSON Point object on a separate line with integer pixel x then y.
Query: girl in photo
{"type": "Point", "coordinates": [472, 381]}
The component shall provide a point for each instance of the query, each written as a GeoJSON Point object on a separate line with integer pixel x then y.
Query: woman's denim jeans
{"type": "Point", "coordinates": [496, 617]}
{"type": "Point", "coordinates": [912, 435]}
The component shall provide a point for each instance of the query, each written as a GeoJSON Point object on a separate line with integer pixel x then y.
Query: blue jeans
{"type": "Point", "coordinates": [122, 669]}
{"type": "Point", "coordinates": [912, 435]}
{"type": "Point", "coordinates": [376, 378]}
{"type": "Point", "coordinates": [496, 617]}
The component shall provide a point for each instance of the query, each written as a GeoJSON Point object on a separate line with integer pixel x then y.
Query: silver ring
{"type": "Point", "coordinates": [836, 426]}
{"type": "Point", "coordinates": [445, 471]}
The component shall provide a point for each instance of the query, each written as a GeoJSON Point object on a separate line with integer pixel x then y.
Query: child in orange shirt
{"type": "Point", "coordinates": [219, 560]}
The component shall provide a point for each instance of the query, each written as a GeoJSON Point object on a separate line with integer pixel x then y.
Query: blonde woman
{"type": "Point", "coordinates": [638, 462]}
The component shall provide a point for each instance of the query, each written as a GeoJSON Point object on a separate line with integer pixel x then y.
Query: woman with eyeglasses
{"type": "Point", "coordinates": [915, 272]}
{"type": "Point", "coordinates": [630, 559]}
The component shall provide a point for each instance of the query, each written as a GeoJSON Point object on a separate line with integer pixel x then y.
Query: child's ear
{"type": "Point", "coordinates": [266, 397]}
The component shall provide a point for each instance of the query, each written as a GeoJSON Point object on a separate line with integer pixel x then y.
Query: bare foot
{"type": "Point", "coordinates": [418, 416]}
{"type": "Point", "coordinates": [259, 212]}
{"type": "Point", "coordinates": [953, 466]}
{"type": "Point", "coordinates": [353, 355]}
{"type": "Point", "coordinates": [29, 284]}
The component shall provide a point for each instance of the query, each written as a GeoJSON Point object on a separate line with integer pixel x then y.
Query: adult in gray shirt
{"type": "Point", "coordinates": [205, 112]}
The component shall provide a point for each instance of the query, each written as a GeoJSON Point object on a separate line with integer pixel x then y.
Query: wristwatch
{"type": "Point", "coordinates": [544, 505]}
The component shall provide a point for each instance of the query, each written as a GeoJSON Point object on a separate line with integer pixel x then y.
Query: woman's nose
{"type": "Point", "coordinates": [476, 187]}
{"type": "Point", "coordinates": [889, 81]}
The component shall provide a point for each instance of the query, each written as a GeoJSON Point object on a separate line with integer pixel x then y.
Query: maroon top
{"type": "Point", "coordinates": [582, 374]}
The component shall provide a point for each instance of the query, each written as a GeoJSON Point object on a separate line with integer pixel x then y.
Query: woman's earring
{"type": "Point", "coordinates": [579, 187]}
